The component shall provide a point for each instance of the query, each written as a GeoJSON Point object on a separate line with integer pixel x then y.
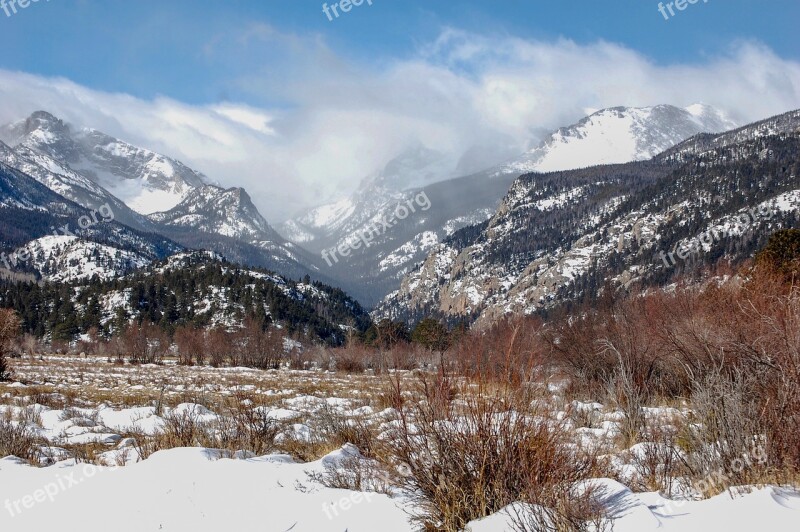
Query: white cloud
{"type": "Point", "coordinates": [255, 119]}
{"type": "Point", "coordinates": [340, 121]}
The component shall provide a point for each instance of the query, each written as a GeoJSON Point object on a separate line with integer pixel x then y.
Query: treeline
{"type": "Point", "coordinates": [251, 345]}
{"type": "Point", "coordinates": [730, 349]}
{"type": "Point", "coordinates": [716, 184]}
{"type": "Point", "coordinates": [201, 294]}
{"type": "Point", "coordinates": [258, 345]}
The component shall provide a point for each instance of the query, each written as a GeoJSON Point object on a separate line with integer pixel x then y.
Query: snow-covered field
{"type": "Point", "coordinates": [88, 404]}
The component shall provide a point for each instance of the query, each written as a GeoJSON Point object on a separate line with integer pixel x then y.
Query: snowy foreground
{"type": "Point", "coordinates": [201, 490]}
{"type": "Point", "coordinates": [193, 490]}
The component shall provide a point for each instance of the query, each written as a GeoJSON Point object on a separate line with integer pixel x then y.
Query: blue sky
{"type": "Point", "coordinates": [162, 47]}
{"type": "Point", "coordinates": [273, 96]}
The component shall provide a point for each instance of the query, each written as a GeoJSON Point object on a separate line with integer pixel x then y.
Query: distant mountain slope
{"type": "Point", "coordinates": [612, 135]}
{"type": "Point", "coordinates": [31, 211]}
{"type": "Point", "coordinates": [212, 209]}
{"type": "Point", "coordinates": [619, 135]}
{"type": "Point", "coordinates": [193, 289]}
{"type": "Point", "coordinates": [145, 181]}
{"type": "Point", "coordinates": [325, 226]}
{"type": "Point", "coordinates": [86, 166]}
{"type": "Point", "coordinates": [560, 236]}
{"type": "Point", "coordinates": [69, 258]}
{"type": "Point", "coordinates": [73, 186]}
{"type": "Point", "coordinates": [226, 221]}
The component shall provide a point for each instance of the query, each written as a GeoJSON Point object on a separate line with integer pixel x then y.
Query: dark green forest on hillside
{"type": "Point", "coordinates": [188, 296]}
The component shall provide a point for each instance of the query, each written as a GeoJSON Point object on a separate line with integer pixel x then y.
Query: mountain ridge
{"type": "Point", "coordinates": [458, 202]}
{"type": "Point", "coordinates": [557, 236]}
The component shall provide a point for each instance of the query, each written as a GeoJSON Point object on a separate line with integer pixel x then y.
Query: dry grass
{"type": "Point", "coordinates": [479, 431]}
{"type": "Point", "coordinates": [16, 439]}
{"type": "Point", "coordinates": [468, 455]}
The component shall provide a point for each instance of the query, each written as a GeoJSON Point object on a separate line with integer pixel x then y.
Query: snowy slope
{"type": "Point", "coordinates": [226, 220]}
{"type": "Point", "coordinates": [612, 135]}
{"type": "Point", "coordinates": [76, 187]}
{"type": "Point", "coordinates": [769, 508]}
{"type": "Point", "coordinates": [330, 224]}
{"type": "Point", "coordinates": [192, 489]}
{"type": "Point", "coordinates": [68, 258]}
{"type": "Point", "coordinates": [619, 135]}
{"type": "Point", "coordinates": [558, 237]}
{"type": "Point", "coordinates": [31, 210]}
{"type": "Point", "coordinates": [98, 171]}
{"type": "Point", "coordinates": [212, 209]}
{"type": "Point", "coordinates": [146, 181]}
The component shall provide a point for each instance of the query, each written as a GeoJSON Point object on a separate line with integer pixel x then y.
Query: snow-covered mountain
{"type": "Point", "coordinates": [561, 236]}
{"type": "Point", "coordinates": [218, 293]}
{"type": "Point", "coordinates": [619, 135]}
{"type": "Point", "coordinates": [69, 258]}
{"type": "Point", "coordinates": [74, 186]}
{"type": "Point", "coordinates": [327, 225]}
{"type": "Point", "coordinates": [151, 193]}
{"type": "Point", "coordinates": [609, 136]}
{"type": "Point", "coordinates": [34, 218]}
{"type": "Point", "coordinates": [215, 210]}
{"type": "Point", "coordinates": [226, 221]}
{"type": "Point", "coordinates": [97, 171]}
{"type": "Point", "coordinates": [145, 181]}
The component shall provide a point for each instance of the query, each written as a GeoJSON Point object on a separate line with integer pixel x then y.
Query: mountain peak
{"type": "Point", "coordinates": [44, 121]}
{"type": "Point", "coordinates": [229, 212]}
{"type": "Point", "coordinates": [41, 126]}
{"type": "Point", "coordinates": [144, 180]}
{"type": "Point", "coordinates": [619, 135]}
{"type": "Point", "coordinates": [415, 166]}
{"type": "Point", "coordinates": [44, 116]}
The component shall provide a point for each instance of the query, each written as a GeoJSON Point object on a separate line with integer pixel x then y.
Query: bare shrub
{"type": "Point", "coordinates": [629, 397]}
{"type": "Point", "coordinates": [144, 343]}
{"type": "Point", "coordinates": [574, 348]}
{"type": "Point", "coordinates": [219, 343]}
{"type": "Point", "coordinates": [185, 429]}
{"type": "Point", "coordinates": [507, 353]}
{"type": "Point", "coordinates": [407, 357]}
{"type": "Point", "coordinates": [340, 430]}
{"type": "Point", "coordinates": [731, 348]}
{"type": "Point", "coordinates": [258, 347]}
{"type": "Point", "coordinates": [30, 345]}
{"type": "Point", "coordinates": [9, 329]}
{"type": "Point", "coordinates": [143, 443]}
{"type": "Point", "coordinates": [659, 460]}
{"type": "Point", "coordinates": [582, 510]}
{"type": "Point", "coordinates": [86, 453]}
{"type": "Point", "coordinates": [305, 450]}
{"type": "Point", "coordinates": [350, 362]}
{"type": "Point", "coordinates": [727, 426]}
{"type": "Point", "coordinates": [470, 458]}
{"type": "Point", "coordinates": [584, 417]}
{"type": "Point", "coordinates": [771, 319]}
{"type": "Point", "coordinates": [16, 439]}
{"type": "Point", "coordinates": [300, 359]}
{"type": "Point", "coordinates": [247, 427]}
{"type": "Point", "coordinates": [355, 473]}
{"type": "Point", "coordinates": [191, 346]}
{"type": "Point", "coordinates": [38, 395]}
